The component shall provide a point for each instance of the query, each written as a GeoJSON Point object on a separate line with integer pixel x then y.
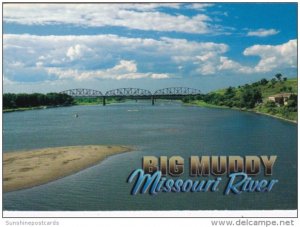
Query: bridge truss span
{"type": "Point", "coordinates": [128, 92]}
{"type": "Point", "coordinates": [82, 92]}
{"type": "Point", "coordinates": [177, 91]}
{"type": "Point", "coordinates": [134, 93]}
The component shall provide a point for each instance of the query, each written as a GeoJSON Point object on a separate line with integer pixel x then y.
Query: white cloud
{"type": "Point", "coordinates": [37, 58]}
{"type": "Point", "coordinates": [7, 81]}
{"type": "Point", "coordinates": [17, 64]}
{"type": "Point", "coordinates": [78, 54]}
{"type": "Point", "coordinates": [212, 63]}
{"type": "Point", "coordinates": [133, 16]}
{"type": "Point", "coordinates": [207, 69]}
{"type": "Point", "coordinates": [229, 64]}
{"type": "Point", "coordinates": [159, 76]}
{"type": "Point", "coordinates": [199, 6]}
{"type": "Point", "coordinates": [221, 64]}
{"type": "Point", "coordinates": [188, 47]}
{"type": "Point", "coordinates": [201, 55]}
{"type": "Point", "coordinates": [274, 56]}
{"type": "Point", "coordinates": [123, 70]}
{"type": "Point", "coordinates": [124, 66]}
{"type": "Point", "coordinates": [39, 64]}
{"type": "Point", "coordinates": [263, 32]}
{"type": "Point", "coordinates": [78, 51]}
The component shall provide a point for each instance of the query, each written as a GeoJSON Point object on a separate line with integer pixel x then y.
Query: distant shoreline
{"type": "Point", "coordinates": [50, 107]}
{"type": "Point", "coordinates": [26, 169]}
{"type": "Point", "coordinates": [32, 108]}
{"type": "Point", "coordinates": [207, 105]}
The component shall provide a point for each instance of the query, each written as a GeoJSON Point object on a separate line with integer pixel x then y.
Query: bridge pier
{"type": "Point", "coordinates": [152, 100]}
{"type": "Point", "coordinates": [103, 100]}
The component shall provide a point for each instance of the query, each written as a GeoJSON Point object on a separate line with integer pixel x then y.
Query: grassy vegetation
{"type": "Point", "coordinates": [288, 112]}
{"type": "Point", "coordinates": [279, 112]}
{"type": "Point", "coordinates": [205, 104]}
{"type": "Point", "coordinates": [87, 101]}
{"type": "Point", "coordinates": [254, 97]}
{"type": "Point", "coordinates": [271, 88]}
{"type": "Point", "coordinates": [96, 101]}
{"type": "Point", "coordinates": [290, 85]}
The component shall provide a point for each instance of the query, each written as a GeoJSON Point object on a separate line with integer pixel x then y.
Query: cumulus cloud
{"type": "Point", "coordinates": [103, 54]}
{"type": "Point", "coordinates": [38, 58]}
{"type": "Point", "coordinates": [123, 70]}
{"type": "Point", "coordinates": [133, 16]}
{"type": "Point", "coordinates": [229, 64]}
{"type": "Point", "coordinates": [77, 51]}
{"type": "Point", "coordinates": [274, 56]}
{"type": "Point", "coordinates": [200, 57]}
{"type": "Point", "coordinates": [263, 32]}
{"type": "Point", "coordinates": [213, 63]}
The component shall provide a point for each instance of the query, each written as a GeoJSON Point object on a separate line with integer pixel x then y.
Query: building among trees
{"type": "Point", "coordinates": [280, 99]}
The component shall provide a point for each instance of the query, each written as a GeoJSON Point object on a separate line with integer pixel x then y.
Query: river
{"type": "Point", "coordinates": [167, 128]}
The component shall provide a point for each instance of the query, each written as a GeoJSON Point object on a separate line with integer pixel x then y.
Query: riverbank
{"type": "Point", "coordinates": [24, 109]}
{"type": "Point", "coordinates": [77, 103]}
{"type": "Point", "coordinates": [26, 169]}
{"type": "Point", "coordinates": [32, 108]}
{"type": "Point", "coordinates": [274, 116]}
{"type": "Point", "coordinates": [204, 104]}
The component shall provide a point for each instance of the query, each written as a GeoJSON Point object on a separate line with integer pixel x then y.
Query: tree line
{"type": "Point", "coordinates": [249, 95]}
{"type": "Point", "coordinates": [246, 97]}
{"type": "Point", "coordinates": [11, 100]}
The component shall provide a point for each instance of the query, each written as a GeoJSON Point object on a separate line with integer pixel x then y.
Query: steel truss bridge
{"type": "Point", "coordinates": [134, 93]}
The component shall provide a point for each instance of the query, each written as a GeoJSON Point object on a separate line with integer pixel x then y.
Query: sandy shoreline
{"type": "Point", "coordinates": [25, 169]}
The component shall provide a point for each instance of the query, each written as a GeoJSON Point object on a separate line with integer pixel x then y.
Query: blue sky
{"type": "Point", "coordinates": [53, 47]}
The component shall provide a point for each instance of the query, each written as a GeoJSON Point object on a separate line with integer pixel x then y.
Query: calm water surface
{"type": "Point", "coordinates": [168, 128]}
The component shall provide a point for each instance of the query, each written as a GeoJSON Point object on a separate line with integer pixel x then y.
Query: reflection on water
{"type": "Point", "coordinates": [164, 129]}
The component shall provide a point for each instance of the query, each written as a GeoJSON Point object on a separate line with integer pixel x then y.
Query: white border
{"type": "Point", "coordinates": [99, 214]}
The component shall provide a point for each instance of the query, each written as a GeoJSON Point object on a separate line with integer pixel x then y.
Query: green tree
{"type": "Point", "coordinates": [284, 88]}
{"type": "Point", "coordinates": [9, 100]}
{"type": "Point", "coordinates": [278, 76]}
{"type": "Point", "coordinates": [293, 102]}
{"type": "Point", "coordinates": [35, 99]}
{"type": "Point", "coordinates": [273, 82]}
{"type": "Point", "coordinates": [264, 81]}
{"type": "Point", "coordinates": [185, 99]}
{"type": "Point", "coordinates": [250, 97]}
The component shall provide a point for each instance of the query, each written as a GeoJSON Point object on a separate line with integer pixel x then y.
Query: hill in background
{"type": "Point", "coordinates": [255, 97]}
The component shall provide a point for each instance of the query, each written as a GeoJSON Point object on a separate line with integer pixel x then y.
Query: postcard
{"type": "Point", "coordinates": [178, 109]}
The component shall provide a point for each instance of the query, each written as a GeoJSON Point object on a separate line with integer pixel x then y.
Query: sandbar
{"type": "Point", "coordinates": [26, 169]}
